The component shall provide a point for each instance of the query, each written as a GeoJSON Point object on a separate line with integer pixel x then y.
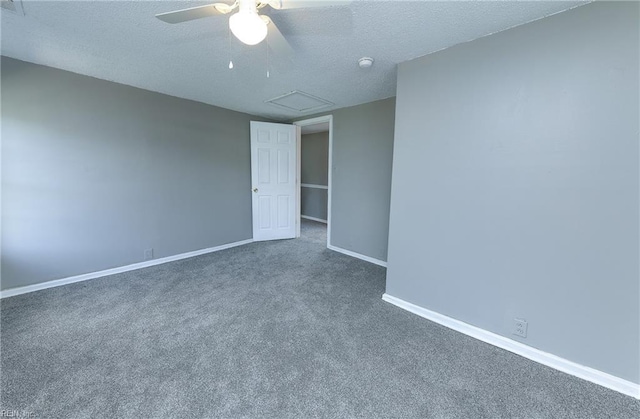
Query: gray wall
{"type": "Point", "coordinates": [515, 185]}
{"type": "Point", "coordinates": [315, 158]}
{"type": "Point", "coordinates": [95, 172]}
{"type": "Point", "coordinates": [361, 177]}
{"type": "Point", "coordinates": [313, 203]}
{"type": "Point", "coordinates": [315, 170]}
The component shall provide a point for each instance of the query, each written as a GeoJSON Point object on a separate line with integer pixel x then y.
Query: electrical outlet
{"type": "Point", "coordinates": [148, 254]}
{"type": "Point", "coordinates": [520, 328]}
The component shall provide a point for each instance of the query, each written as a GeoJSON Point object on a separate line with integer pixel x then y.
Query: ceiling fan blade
{"type": "Point", "coordinates": [193, 13]}
{"type": "Point", "coordinates": [277, 42]}
{"type": "Point", "coordinates": [299, 4]}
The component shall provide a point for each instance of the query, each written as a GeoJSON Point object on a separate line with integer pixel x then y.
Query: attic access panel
{"type": "Point", "coordinates": [299, 101]}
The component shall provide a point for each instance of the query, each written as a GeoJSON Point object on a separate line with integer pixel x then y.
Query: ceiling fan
{"type": "Point", "coordinates": [246, 23]}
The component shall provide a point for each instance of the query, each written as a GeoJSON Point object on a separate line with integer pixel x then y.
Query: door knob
{"type": "Point", "coordinates": [255, 190]}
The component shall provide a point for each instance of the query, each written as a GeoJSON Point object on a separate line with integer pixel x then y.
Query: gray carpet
{"type": "Point", "coordinates": [284, 329]}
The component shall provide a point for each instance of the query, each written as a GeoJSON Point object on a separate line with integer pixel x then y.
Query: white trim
{"type": "Point", "coordinates": [358, 256]}
{"type": "Point", "coordinates": [311, 185]}
{"type": "Point", "coordinates": [313, 121]}
{"type": "Point", "coordinates": [586, 373]}
{"type": "Point", "coordinates": [298, 178]}
{"type": "Point", "coordinates": [92, 275]}
{"type": "Point", "coordinates": [329, 180]}
{"type": "Point", "coordinates": [320, 220]}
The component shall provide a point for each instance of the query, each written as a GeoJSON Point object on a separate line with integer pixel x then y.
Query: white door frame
{"type": "Point", "coordinates": [300, 124]}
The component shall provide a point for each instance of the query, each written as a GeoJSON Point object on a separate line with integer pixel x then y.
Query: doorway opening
{"type": "Point", "coordinates": [315, 144]}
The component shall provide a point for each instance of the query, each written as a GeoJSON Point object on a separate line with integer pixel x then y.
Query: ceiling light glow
{"type": "Point", "coordinates": [248, 27]}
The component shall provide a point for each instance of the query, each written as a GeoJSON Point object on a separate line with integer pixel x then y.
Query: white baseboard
{"type": "Point", "coordinates": [92, 275]}
{"type": "Point", "coordinates": [320, 220]}
{"type": "Point", "coordinates": [358, 256]}
{"type": "Point", "coordinates": [586, 373]}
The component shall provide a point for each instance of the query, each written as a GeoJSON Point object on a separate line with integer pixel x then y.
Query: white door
{"type": "Point", "coordinates": [273, 178]}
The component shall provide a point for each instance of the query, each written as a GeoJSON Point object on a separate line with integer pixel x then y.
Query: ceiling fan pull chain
{"type": "Point", "coordinates": [267, 45]}
{"type": "Point", "coordinates": [230, 53]}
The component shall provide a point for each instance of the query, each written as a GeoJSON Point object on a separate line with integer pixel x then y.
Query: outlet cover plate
{"type": "Point", "coordinates": [520, 327]}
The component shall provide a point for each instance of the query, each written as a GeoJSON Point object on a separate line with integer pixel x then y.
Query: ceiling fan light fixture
{"type": "Point", "coordinates": [248, 27]}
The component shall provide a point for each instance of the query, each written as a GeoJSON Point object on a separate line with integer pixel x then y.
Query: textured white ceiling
{"type": "Point", "coordinates": [122, 41]}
